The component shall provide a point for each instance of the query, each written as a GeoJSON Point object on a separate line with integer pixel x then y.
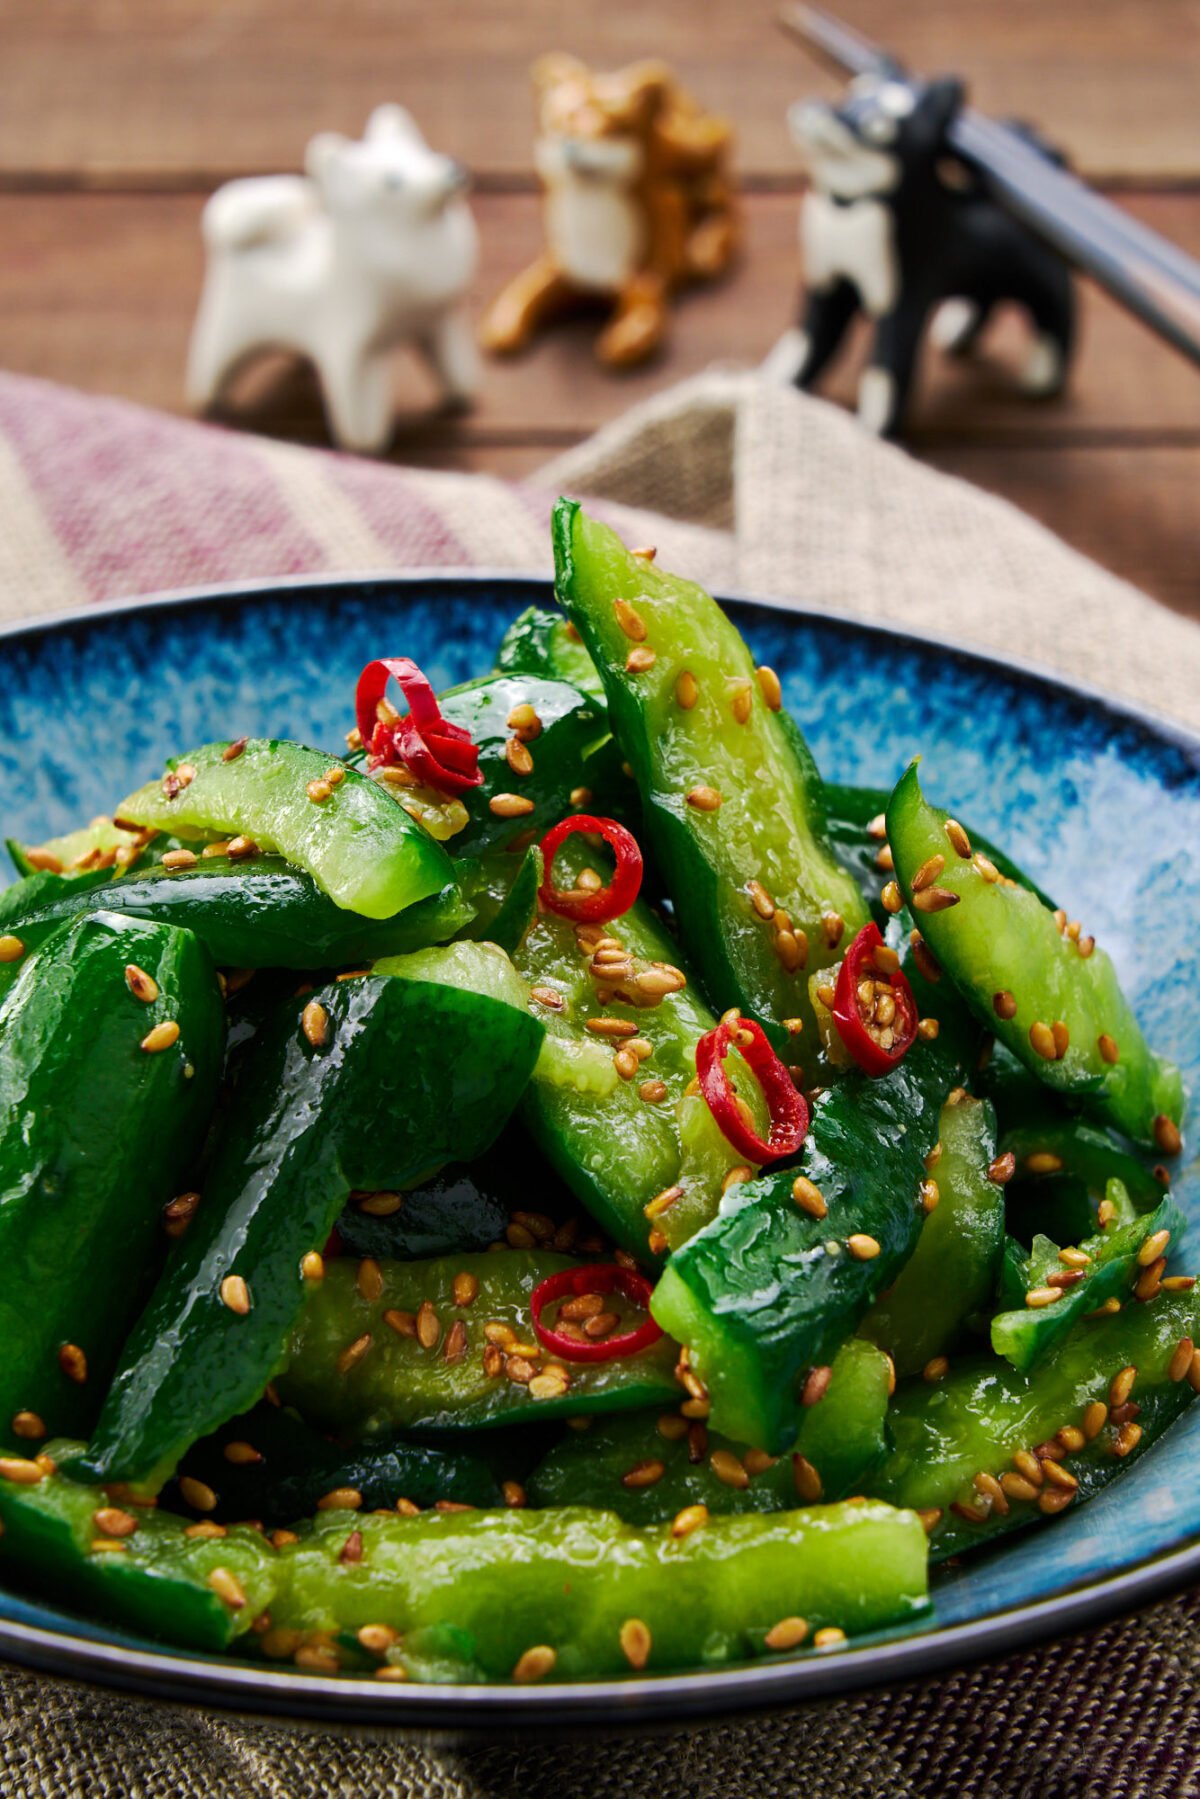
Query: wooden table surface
{"type": "Point", "coordinates": [117, 117]}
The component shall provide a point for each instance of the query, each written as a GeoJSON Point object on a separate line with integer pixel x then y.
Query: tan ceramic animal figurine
{"type": "Point", "coordinates": [638, 203]}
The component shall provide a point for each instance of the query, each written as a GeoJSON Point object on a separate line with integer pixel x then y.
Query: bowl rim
{"type": "Point", "coordinates": [249, 1689]}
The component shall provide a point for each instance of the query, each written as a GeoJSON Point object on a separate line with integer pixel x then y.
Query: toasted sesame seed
{"type": "Point", "coordinates": [317, 1658]}
{"type": "Point", "coordinates": [369, 1280]}
{"type": "Point", "coordinates": [936, 1369]}
{"type": "Point", "coordinates": [353, 1353]}
{"type": "Point", "coordinates": [789, 1633]}
{"type": "Point", "coordinates": [891, 898]}
{"type": "Point", "coordinates": [626, 1064]}
{"type": "Point", "coordinates": [1042, 1039]}
{"type": "Point", "coordinates": [640, 659]}
{"type": "Point", "coordinates": [1026, 1463]}
{"type": "Point", "coordinates": [312, 1266]}
{"type": "Point", "coordinates": [536, 1662]}
{"type": "Point", "coordinates": [519, 1369]}
{"type": "Point", "coordinates": [429, 1325]}
{"type": "Point", "coordinates": [760, 899]}
{"type": "Point", "coordinates": [686, 690]}
{"type": "Point", "coordinates": [140, 984]}
{"type": "Point", "coordinates": [612, 1027]}
{"type": "Point", "coordinates": [630, 620]}
{"type": "Point", "coordinates": [206, 1530]}
{"type": "Point", "coordinates": [510, 805]}
{"type": "Point", "coordinates": [1166, 1135]}
{"type": "Point", "coordinates": [653, 1092]}
{"type": "Point", "coordinates": [73, 1362]}
{"type": "Point", "coordinates": [1058, 1476]}
{"type": "Point", "coordinates": [523, 719]}
{"type": "Point", "coordinates": [516, 754]}
{"type": "Point", "coordinates": [197, 1493]}
{"type": "Point", "coordinates": [11, 948]}
{"type": "Point", "coordinates": [959, 840]}
{"type": "Point", "coordinates": [991, 1492]}
{"type": "Point", "coordinates": [635, 1643]}
{"type": "Point", "coordinates": [1043, 1161]}
{"type": "Point", "coordinates": [314, 1021]}
{"type": "Point", "coordinates": [1108, 1048]}
{"type": "Point", "coordinates": [1178, 1283]}
{"type": "Point", "coordinates": [742, 702]}
{"type": "Point", "coordinates": [928, 872]}
{"type": "Point", "coordinates": [1147, 1285]}
{"type": "Point", "coordinates": [728, 1469]}
{"type": "Point", "coordinates": [28, 1425]}
{"type": "Point", "coordinates": [1062, 1038]}
{"type": "Point", "coordinates": [340, 1499]}
{"type": "Point", "coordinates": [1095, 1417]}
{"type": "Point", "coordinates": [179, 859]}
{"type": "Point", "coordinates": [833, 926]}
{"type": "Point", "coordinates": [1004, 1004]}
{"type": "Point", "coordinates": [770, 688]}
{"type": "Point", "coordinates": [1127, 1439]}
{"type": "Point", "coordinates": [862, 1247]}
{"type": "Point", "coordinates": [935, 899]}
{"type": "Point", "coordinates": [1193, 1373]}
{"type": "Point", "coordinates": [1152, 1248]}
{"type": "Point", "coordinates": [242, 1455]}
{"type": "Point", "coordinates": [891, 1366]}
{"type": "Point", "coordinates": [930, 1518]}
{"type": "Point", "coordinates": [757, 1461]}
{"type": "Point", "coordinates": [161, 1037]}
{"type": "Point", "coordinates": [228, 1588]}
{"type": "Point", "coordinates": [808, 1197]}
{"type": "Point", "coordinates": [455, 1346]}
{"type": "Point", "coordinates": [1054, 1499]}
{"type": "Point", "coordinates": [1042, 1296]}
{"type": "Point", "coordinates": [377, 1639]}
{"type": "Point", "coordinates": [106, 1545]}
{"type": "Point", "coordinates": [885, 861]}
{"type": "Point", "coordinates": [704, 799]}
{"type": "Point", "coordinates": [927, 1029]}
{"type": "Point", "coordinates": [807, 1480]}
{"type": "Point", "coordinates": [1122, 1386]}
{"type": "Point", "coordinates": [403, 1323]}
{"type": "Point", "coordinates": [235, 1294]}
{"type": "Point", "coordinates": [1181, 1360]}
{"type": "Point", "coordinates": [318, 792]}
{"type": "Point", "coordinates": [816, 1385]}
{"type": "Point", "coordinates": [643, 1474]}
{"type": "Point", "coordinates": [931, 1196]}
{"type": "Point", "coordinates": [1015, 1486]}
{"type": "Point", "coordinates": [829, 1638]}
{"type": "Point", "coordinates": [688, 1520]}
{"type": "Point", "coordinates": [380, 1205]}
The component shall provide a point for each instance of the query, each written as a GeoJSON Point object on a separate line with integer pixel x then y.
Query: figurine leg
{"type": "Point", "coordinates": [639, 326]}
{"type": "Point", "coordinates": [884, 385]}
{"type": "Point", "coordinates": [958, 325]}
{"type": "Point", "coordinates": [215, 351]}
{"type": "Point", "coordinates": [1051, 303]}
{"type": "Point", "coordinates": [450, 349]}
{"type": "Point", "coordinates": [802, 354]}
{"type": "Point", "coordinates": [530, 300]}
{"type": "Point", "coordinates": [358, 401]}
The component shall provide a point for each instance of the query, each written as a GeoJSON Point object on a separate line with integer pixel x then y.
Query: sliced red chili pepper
{"type": "Point", "coordinates": [606, 902]}
{"type": "Point", "coordinates": [573, 1283]}
{"type": "Point", "coordinates": [787, 1108]}
{"type": "Point", "coordinates": [857, 1025]}
{"type": "Point", "coordinates": [439, 753]}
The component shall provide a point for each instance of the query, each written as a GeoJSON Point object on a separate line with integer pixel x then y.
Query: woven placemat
{"type": "Point", "coordinates": [746, 488]}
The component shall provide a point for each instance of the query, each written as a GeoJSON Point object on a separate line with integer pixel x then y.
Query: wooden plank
{"type": "Point", "coordinates": [99, 292]}
{"type": "Point", "coordinates": [200, 89]}
{"type": "Point", "coordinates": [1136, 512]}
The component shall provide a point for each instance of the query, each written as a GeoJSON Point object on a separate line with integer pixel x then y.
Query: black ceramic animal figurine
{"type": "Point", "coordinates": [892, 226]}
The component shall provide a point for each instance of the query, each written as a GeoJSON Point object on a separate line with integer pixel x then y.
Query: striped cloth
{"type": "Point", "coordinates": [745, 488]}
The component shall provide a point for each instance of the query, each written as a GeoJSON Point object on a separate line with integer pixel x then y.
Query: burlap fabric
{"type": "Point", "coordinates": [746, 488]}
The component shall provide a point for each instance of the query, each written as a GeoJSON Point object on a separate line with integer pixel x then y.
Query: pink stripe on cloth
{"type": "Point", "coordinates": [415, 533]}
{"type": "Point", "coordinates": [140, 501]}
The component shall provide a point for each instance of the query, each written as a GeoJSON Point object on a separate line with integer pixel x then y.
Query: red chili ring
{"type": "Point", "coordinates": [438, 752]}
{"type": "Point", "coordinates": [607, 902]}
{"type": "Point", "coordinates": [574, 1282]}
{"type": "Point", "coordinates": [787, 1108]}
{"type": "Point", "coordinates": [871, 1056]}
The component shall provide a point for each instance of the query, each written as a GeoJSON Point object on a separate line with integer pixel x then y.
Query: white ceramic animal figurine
{"type": "Point", "coordinates": [375, 246]}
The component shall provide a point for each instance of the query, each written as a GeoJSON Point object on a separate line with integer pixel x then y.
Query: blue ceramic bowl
{"type": "Point", "coordinates": [1100, 805]}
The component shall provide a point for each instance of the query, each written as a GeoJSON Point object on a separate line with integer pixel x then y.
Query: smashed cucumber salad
{"type": "Point", "coordinates": [561, 1189]}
